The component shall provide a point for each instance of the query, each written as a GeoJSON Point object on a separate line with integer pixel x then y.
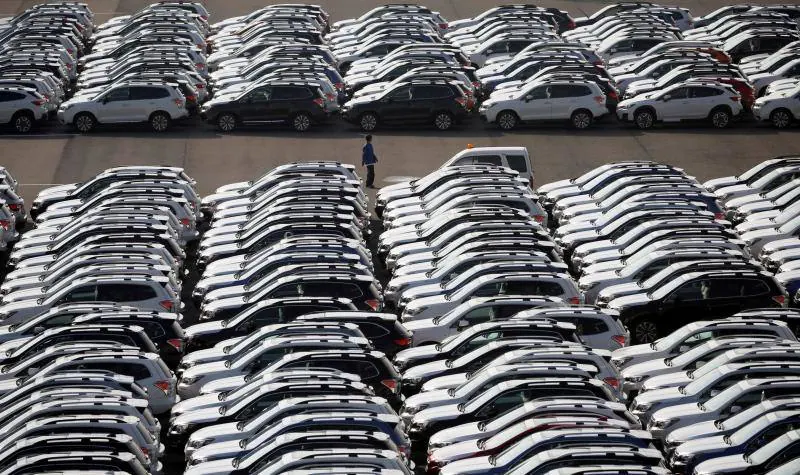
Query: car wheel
{"type": "Point", "coordinates": [23, 122]}
{"type": "Point", "coordinates": [84, 122]}
{"type": "Point", "coordinates": [368, 121]}
{"type": "Point", "coordinates": [226, 122]}
{"type": "Point", "coordinates": [644, 331]}
{"type": "Point", "coordinates": [644, 119]}
{"type": "Point", "coordinates": [506, 120]}
{"type": "Point", "coordinates": [301, 122]}
{"type": "Point", "coordinates": [159, 121]}
{"type": "Point", "coordinates": [443, 121]}
{"type": "Point", "coordinates": [581, 119]}
{"type": "Point", "coordinates": [780, 118]}
{"type": "Point", "coordinates": [720, 118]}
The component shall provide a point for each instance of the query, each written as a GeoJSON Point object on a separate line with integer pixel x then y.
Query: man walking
{"type": "Point", "coordinates": [368, 159]}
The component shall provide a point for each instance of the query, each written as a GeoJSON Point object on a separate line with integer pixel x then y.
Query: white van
{"type": "Point", "coordinates": [516, 158]}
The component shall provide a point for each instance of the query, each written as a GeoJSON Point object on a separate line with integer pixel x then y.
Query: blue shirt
{"type": "Point", "coordinates": [368, 155]}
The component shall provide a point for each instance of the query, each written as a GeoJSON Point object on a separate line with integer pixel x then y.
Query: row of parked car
{"type": "Point", "coordinates": [286, 369]}
{"type": "Point", "coordinates": [402, 63]}
{"type": "Point", "coordinates": [649, 241]}
{"type": "Point", "coordinates": [720, 396]}
{"type": "Point", "coordinates": [91, 325]}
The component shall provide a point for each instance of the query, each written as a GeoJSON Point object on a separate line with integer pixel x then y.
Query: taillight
{"type": "Point", "coordinates": [374, 304]}
{"type": "Point", "coordinates": [166, 304]}
{"type": "Point", "coordinates": [735, 98]}
{"type": "Point", "coordinates": [574, 300]}
{"type": "Point", "coordinates": [330, 97]}
{"type": "Point", "coordinates": [781, 299]}
{"type": "Point", "coordinates": [339, 86]}
{"type": "Point", "coordinates": [402, 341]}
{"type": "Point", "coordinates": [204, 17]}
{"type": "Point", "coordinates": [571, 24]}
{"type": "Point", "coordinates": [37, 102]}
{"type": "Point", "coordinates": [176, 343]}
{"type": "Point", "coordinates": [620, 339]}
{"type": "Point", "coordinates": [191, 98]}
{"type": "Point", "coordinates": [200, 86]}
{"type": "Point", "coordinates": [179, 102]}
{"type": "Point", "coordinates": [443, 26]}
{"type": "Point", "coordinates": [391, 384]}
{"type": "Point", "coordinates": [199, 65]}
{"type": "Point", "coordinates": [477, 84]}
{"type": "Point", "coordinates": [613, 382]}
{"type": "Point", "coordinates": [14, 207]}
{"type": "Point", "coordinates": [163, 385]}
{"type": "Point", "coordinates": [600, 99]}
{"type": "Point", "coordinates": [613, 95]}
{"type": "Point", "coordinates": [185, 221]}
{"type": "Point", "coordinates": [145, 451]}
{"type": "Point", "coordinates": [5, 224]}
{"type": "Point", "coordinates": [462, 101]}
{"type": "Point", "coordinates": [319, 101]}
{"type": "Point", "coordinates": [538, 218]}
{"type": "Point", "coordinates": [719, 215]}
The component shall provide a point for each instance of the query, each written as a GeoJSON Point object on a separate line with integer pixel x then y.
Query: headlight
{"type": "Point", "coordinates": [178, 429]}
{"type": "Point", "coordinates": [642, 407]}
{"type": "Point", "coordinates": [620, 362]}
{"type": "Point", "coordinates": [196, 444]}
{"type": "Point", "coordinates": [414, 409]}
{"type": "Point", "coordinates": [682, 459]}
{"type": "Point", "coordinates": [191, 379]}
{"type": "Point", "coordinates": [415, 311]}
{"type": "Point", "coordinates": [207, 315]}
{"type": "Point", "coordinates": [635, 379]}
{"type": "Point", "coordinates": [663, 423]}
{"type": "Point", "coordinates": [417, 427]}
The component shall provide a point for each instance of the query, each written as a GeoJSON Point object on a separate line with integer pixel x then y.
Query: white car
{"type": "Point", "coordinates": [22, 108]}
{"type": "Point", "coordinates": [781, 107]}
{"type": "Point", "coordinates": [580, 102]}
{"type": "Point", "coordinates": [121, 103]}
{"type": "Point", "coordinates": [687, 101]}
{"type": "Point", "coordinates": [762, 79]}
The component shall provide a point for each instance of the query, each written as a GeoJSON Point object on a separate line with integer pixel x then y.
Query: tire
{"type": "Point", "coordinates": [443, 121]}
{"type": "Point", "coordinates": [781, 118]}
{"type": "Point", "coordinates": [644, 119]}
{"type": "Point", "coordinates": [368, 121]}
{"type": "Point", "coordinates": [506, 120]}
{"type": "Point", "coordinates": [226, 122]}
{"type": "Point", "coordinates": [301, 122]}
{"type": "Point", "coordinates": [159, 121]}
{"type": "Point", "coordinates": [581, 119]}
{"type": "Point", "coordinates": [644, 330]}
{"type": "Point", "coordinates": [22, 122]}
{"type": "Point", "coordinates": [84, 122]}
{"type": "Point", "coordinates": [720, 118]}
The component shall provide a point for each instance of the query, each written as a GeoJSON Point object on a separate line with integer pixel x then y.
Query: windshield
{"type": "Point", "coordinates": [675, 338]}
{"type": "Point", "coordinates": [724, 398]}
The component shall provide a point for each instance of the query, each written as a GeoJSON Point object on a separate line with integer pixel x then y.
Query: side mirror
{"type": "Point", "coordinates": [37, 330]}
{"type": "Point", "coordinates": [462, 324]}
{"type": "Point", "coordinates": [735, 409]}
{"type": "Point", "coordinates": [528, 98]}
{"type": "Point", "coordinates": [666, 98]}
{"type": "Point", "coordinates": [490, 51]}
{"type": "Point", "coordinates": [684, 348]}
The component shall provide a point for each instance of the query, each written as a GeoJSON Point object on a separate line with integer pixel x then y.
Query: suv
{"type": "Point", "coordinates": [22, 108]}
{"type": "Point", "coordinates": [442, 103]}
{"type": "Point", "coordinates": [688, 101]}
{"type": "Point", "coordinates": [580, 102]}
{"type": "Point", "coordinates": [287, 102]}
{"type": "Point", "coordinates": [157, 104]}
{"type": "Point", "coordinates": [781, 108]}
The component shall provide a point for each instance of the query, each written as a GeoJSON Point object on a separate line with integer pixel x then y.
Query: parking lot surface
{"type": "Point", "coordinates": [54, 154]}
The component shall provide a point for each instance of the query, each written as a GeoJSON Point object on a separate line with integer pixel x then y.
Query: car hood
{"type": "Point", "coordinates": [214, 367]}
{"type": "Point", "coordinates": [703, 444]}
{"type": "Point", "coordinates": [362, 100]}
{"type": "Point", "coordinates": [408, 354]}
{"type": "Point", "coordinates": [56, 192]}
{"type": "Point", "coordinates": [439, 413]}
{"type": "Point", "coordinates": [645, 368]}
{"type": "Point", "coordinates": [466, 466]}
{"type": "Point", "coordinates": [668, 380]}
{"type": "Point", "coordinates": [197, 416]}
{"type": "Point", "coordinates": [676, 411]}
{"type": "Point", "coordinates": [205, 328]}
{"type": "Point", "coordinates": [657, 396]}
{"type": "Point", "coordinates": [692, 432]}
{"type": "Point", "coordinates": [445, 382]}
{"type": "Point", "coordinates": [195, 403]}
{"type": "Point", "coordinates": [629, 300]}
{"type": "Point", "coordinates": [631, 351]}
{"type": "Point", "coordinates": [423, 370]}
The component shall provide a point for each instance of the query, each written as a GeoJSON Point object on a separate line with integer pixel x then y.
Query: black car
{"type": "Point", "coordinates": [297, 104]}
{"type": "Point", "coordinates": [697, 296]}
{"type": "Point", "coordinates": [440, 103]}
{"type": "Point", "coordinates": [384, 330]}
{"type": "Point", "coordinates": [163, 329]}
{"type": "Point", "coordinates": [265, 312]}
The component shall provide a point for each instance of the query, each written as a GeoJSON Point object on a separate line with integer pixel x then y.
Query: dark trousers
{"type": "Point", "coordinates": [370, 175]}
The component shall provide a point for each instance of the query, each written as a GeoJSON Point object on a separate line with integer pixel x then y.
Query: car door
{"type": "Point", "coordinates": [725, 297]}
{"type": "Point", "coordinates": [423, 98]}
{"type": "Point", "coordinates": [7, 109]}
{"type": "Point", "coordinates": [282, 101]}
{"type": "Point", "coordinates": [700, 101]}
{"type": "Point", "coordinates": [145, 100]}
{"type": "Point", "coordinates": [683, 305]}
{"type": "Point", "coordinates": [536, 104]}
{"type": "Point", "coordinates": [253, 107]}
{"type": "Point", "coordinates": [794, 105]}
{"type": "Point", "coordinates": [565, 99]}
{"type": "Point", "coordinates": [673, 106]}
{"type": "Point", "coordinates": [115, 106]}
{"type": "Point", "coordinates": [396, 105]}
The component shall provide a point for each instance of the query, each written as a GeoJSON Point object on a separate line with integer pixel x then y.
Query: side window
{"type": "Point", "coordinates": [687, 292]}
{"type": "Point", "coordinates": [516, 46]}
{"type": "Point", "coordinates": [259, 95]}
{"type": "Point", "coordinates": [486, 160]}
{"type": "Point", "coordinates": [679, 93]}
{"type": "Point", "coordinates": [372, 330]}
{"type": "Point", "coordinates": [430, 92]}
{"type": "Point", "coordinates": [284, 93]}
{"type": "Point", "coordinates": [507, 311]}
{"type": "Point", "coordinates": [569, 90]}
{"type": "Point", "coordinates": [501, 404]}
{"type": "Point", "coordinates": [366, 370]}
{"type": "Point", "coordinates": [518, 163]}
{"type": "Point", "coordinates": [538, 93]}
{"type": "Point", "coordinates": [751, 288]}
{"type": "Point", "coordinates": [125, 292]}
{"type": "Point", "coordinates": [85, 293]}
{"type": "Point", "coordinates": [119, 94]}
{"type": "Point", "coordinates": [141, 93]}
{"type": "Point", "coordinates": [488, 290]}
{"type": "Point", "coordinates": [402, 94]}
{"type": "Point", "coordinates": [287, 290]}
{"type": "Point", "coordinates": [57, 321]}
{"type": "Point", "coordinates": [534, 288]}
{"type": "Point", "coordinates": [478, 315]}
{"type": "Point", "coordinates": [264, 317]}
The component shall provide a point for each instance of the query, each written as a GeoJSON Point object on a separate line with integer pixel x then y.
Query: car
{"type": "Point", "coordinates": [22, 108]}
{"type": "Point", "coordinates": [442, 104]}
{"type": "Point", "coordinates": [762, 460]}
{"type": "Point", "coordinates": [596, 328]}
{"type": "Point", "coordinates": [165, 104]}
{"type": "Point", "coordinates": [582, 101]}
{"type": "Point", "coordinates": [779, 108]}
